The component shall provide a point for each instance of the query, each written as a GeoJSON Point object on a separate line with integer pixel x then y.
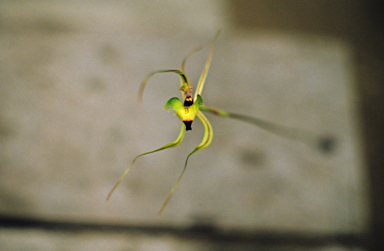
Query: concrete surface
{"type": "Point", "coordinates": [70, 120]}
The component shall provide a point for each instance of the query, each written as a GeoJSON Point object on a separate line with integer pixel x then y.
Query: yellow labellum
{"type": "Point", "coordinates": [186, 113]}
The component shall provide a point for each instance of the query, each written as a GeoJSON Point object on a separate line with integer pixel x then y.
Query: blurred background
{"type": "Point", "coordinates": [70, 123]}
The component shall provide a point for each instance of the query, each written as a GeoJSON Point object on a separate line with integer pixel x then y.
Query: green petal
{"type": "Point", "coordinates": [215, 111]}
{"type": "Point", "coordinates": [173, 103]}
{"type": "Point", "coordinates": [207, 139]}
{"type": "Point", "coordinates": [173, 144]}
{"type": "Point", "coordinates": [198, 101]}
{"type": "Point", "coordinates": [309, 138]}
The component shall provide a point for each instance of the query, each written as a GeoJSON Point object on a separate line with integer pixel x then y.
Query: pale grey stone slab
{"type": "Point", "coordinates": [71, 122]}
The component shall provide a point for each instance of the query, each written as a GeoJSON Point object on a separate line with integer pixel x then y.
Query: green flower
{"type": "Point", "coordinates": [190, 108]}
{"type": "Point", "coordinates": [186, 111]}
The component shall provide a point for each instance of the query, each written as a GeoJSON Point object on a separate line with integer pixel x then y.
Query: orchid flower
{"type": "Point", "coordinates": [190, 107]}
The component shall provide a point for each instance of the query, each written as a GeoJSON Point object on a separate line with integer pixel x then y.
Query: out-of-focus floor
{"type": "Point", "coordinates": [70, 124]}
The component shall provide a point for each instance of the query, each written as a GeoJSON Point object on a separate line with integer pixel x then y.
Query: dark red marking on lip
{"type": "Point", "coordinates": [188, 125]}
{"type": "Point", "coordinates": [188, 101]}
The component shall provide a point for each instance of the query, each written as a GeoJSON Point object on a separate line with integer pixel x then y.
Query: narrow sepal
{"type": "Point", "coordinates": [203, 76]}
{"type": "Point", "coordinates": [323, 143]}
{"type": "Point", "coordinates": [173, 144]}
{"type": "Point", "coordinates": [207, 139]}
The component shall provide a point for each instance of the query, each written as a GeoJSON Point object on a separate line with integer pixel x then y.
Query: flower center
{"type": "Point", "coordinates": [188, 101]}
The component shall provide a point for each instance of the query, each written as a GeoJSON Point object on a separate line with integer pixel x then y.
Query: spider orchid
{"type": "Point", "coordinates": [192, 107]}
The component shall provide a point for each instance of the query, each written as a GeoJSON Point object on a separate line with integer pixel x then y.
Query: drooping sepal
{"type": "Point", "coordinates": [170, 145]}
{"type": "Point", "coordinates": [207, 139]}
